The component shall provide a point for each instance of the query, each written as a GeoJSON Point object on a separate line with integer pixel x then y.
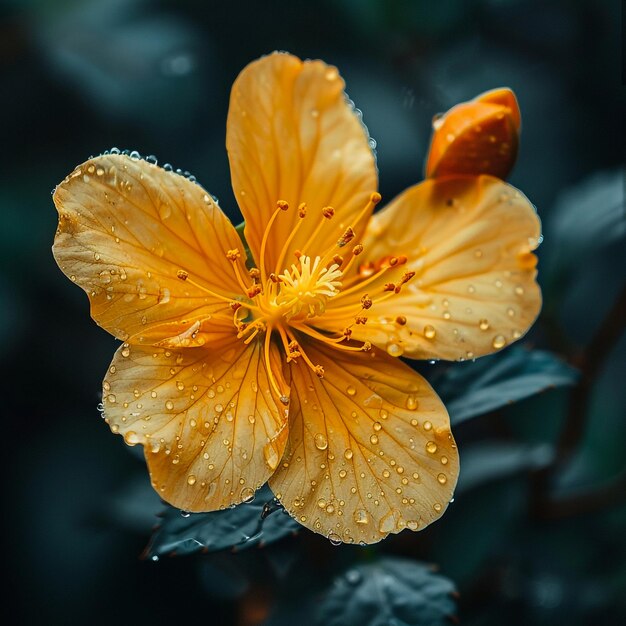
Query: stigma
{"type": "Point", "coordinates": [304, 290]}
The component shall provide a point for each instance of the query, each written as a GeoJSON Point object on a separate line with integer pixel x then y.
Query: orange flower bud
{"type": "Point", "coordinates": [476, 137]}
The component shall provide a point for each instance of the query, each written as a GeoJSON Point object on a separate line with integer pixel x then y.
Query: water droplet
{"type": "Point", "coordinates": [377, 426]}
{"type": "Point", "coordinates": [429, 332]}
{"type": "Point", "coordinates": [394, 349]}
{"type": "Point", "coordinates": [374, 439]}
{"type": "Point", "coordinates": [442, 478]}
{"type": "Point", "coordinates": [334, 538]}
{"type": "Point", "coordinates": [428, 425]}
{"type": "Point", "coordinates": [185, 513]}
{"type": "Point", "coordinates": [411, 403]}
{"type": "Point", "coordinates": [247, 494]}
{"type": "Point", "coordinates": [131, 438]}
{"type": "Point", "coordinates": [348, 454]}
{"type": "Point", "coordinates": [191, 480]}
{"type": "Point", "coordinates": [351, 391]}
{"type": "Point", "coordinates": [498, 342]}
{"type": "Point", "coordinates": [437, 507]}
{"type": "Point", "coordinates": [361, 516]}
{"type": "Point", "coordinates": [412, 524]}
{"type": "Point", "coordinates": [431, 447]}
{"type": "Point", "coordinates": [483, 324]}
{"type": "Point", "coordinates": [321, 443]}
{"type": "Point", "coordinates": [169, 405]}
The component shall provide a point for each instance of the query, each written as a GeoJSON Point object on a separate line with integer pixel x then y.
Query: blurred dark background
{"type": "Point", "coordinates": [538, 537]}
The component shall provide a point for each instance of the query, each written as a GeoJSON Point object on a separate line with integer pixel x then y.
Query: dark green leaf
{"type": "Point", "coordinates": [493, 460]}
{"type": "Point", "coordinates": [390, 591]}
{"type": "Point", "coordinates": [261, 521]}
{"type": "Point", "coordinates": [470, 389]}
{"type": "Point", "coordinates": [585, 218]}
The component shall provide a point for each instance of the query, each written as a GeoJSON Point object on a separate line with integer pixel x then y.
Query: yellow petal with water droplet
{"type": "Point", "coordinates": [116, 242]}
{"type": "Point", "coordinates": [371, 476]}
{"type": "Point", "coordinates": [456, 294]}
{"type": "Point", "coordinates": [191, 411]}
{"type": "Point", "coordinates": [292, 136]}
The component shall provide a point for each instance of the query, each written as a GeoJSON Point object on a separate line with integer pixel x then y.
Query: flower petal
{"type": "Point", "coordinates": [212, 431]}
{"type": "Point", "coordinates": [292, 136]}
{"type": "Point", "coordinates": [469, 240]}
{"type": "Point", "coordinates": [476, 137]}
{"type": "Point", "coordinates": [126, 229]}
{"type": "Point", "coordinates": [370, 450]}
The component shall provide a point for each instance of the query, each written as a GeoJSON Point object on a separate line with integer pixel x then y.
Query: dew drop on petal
{"type": "Point", "coordinates": [498, 342]}
{"type": "Point", "coordinates": [321, 443]}
{"type": "Point", "coordinates": [429, 332]}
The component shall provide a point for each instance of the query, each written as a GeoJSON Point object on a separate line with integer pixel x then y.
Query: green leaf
{"type": "Point", "coordinates": [390, 591]}
{"type": "Point", "coordinates": [495, 460]}
{"type": "Point", "coordinates": [261, 521]}
{"type": "Point", "coordinates": [585, 218]}
{"type": "Point", "coordinates": [470, 389]}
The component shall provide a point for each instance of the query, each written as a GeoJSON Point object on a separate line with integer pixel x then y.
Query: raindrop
{"type": "Point", "coordinates": [321, 443]}
{"type": "Point", "coordinates": [394, 349]}
{"type": "Point", "coordinates": [498, 342]}
{"type": "Point", "coordinates": [429, 332]}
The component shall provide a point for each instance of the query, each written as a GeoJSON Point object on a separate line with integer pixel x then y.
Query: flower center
{"type": "Point", "coordinates": [286, 305]}
{"type": "Point", "coordinates": [304, 291]}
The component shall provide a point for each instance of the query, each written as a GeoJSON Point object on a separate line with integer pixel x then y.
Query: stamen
{"type": "Point", "coordinates": [307, 330]}
{"type": "Point", "coordinates": [346, 238]}
{"type": "Point", "coordinates": [281, 205]}
{"type": "Point", "coordinates": [281, 257]}
{"type": "Point", "coordinates": [284, 398]}
{"type": "Point", "coordinates": [184, 275]}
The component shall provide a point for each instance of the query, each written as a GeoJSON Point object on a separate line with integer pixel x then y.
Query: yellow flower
{"type": "Point", "coordinates": [280, 364]}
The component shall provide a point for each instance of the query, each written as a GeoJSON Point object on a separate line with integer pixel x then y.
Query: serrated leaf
{"type": "Point", "coordinates": [390, 591]}
{"type": "Point", "coordinates": [261, 521]}
{"type": "Point", "coordinates": [470, 389]}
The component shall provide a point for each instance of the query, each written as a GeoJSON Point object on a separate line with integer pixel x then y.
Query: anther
{"type": "Point", "coordinates": [275, 279]}
{"type": "Point", "coordinates": [375, 198]}
{"type": "Point", "coordinates": [357, 249]}
{"type": "Point", "coordinates": [402, 259]}
{"type": "Point", "coordinates": [302, 209]}
{"type": "Point", "coordinates": [389, 287]}
{"type": "Point", "coordinates": [406, 277]}
{"type": "Point", "coordinates": [366, 302]}
{"type": "Point", "coordinates": [297, 254]}
{"type": "Point", "coordinates": [235, 306]}
{"type": "Point", "coordinates": [401, 320]}
{"type": "Point", "coordinates": [254, 273]}
{"type": "Point", "coordinates": [360, 319]}
{"type": "Point", "coordinates": [366, 347]}
{"type": "Point", "coordinates": [182, 274]}
{"type": "Point", "coordinates": [254, 291]}
{"type": "Point", "coordinates": [338, 259]}
{"type": "Point", "coordinates": [319, 371]}
{"type": "Point", "coordinates": [347, 332]}
{"type": "Point", "coordinates": [393, 261]}
{"type": "Point", "coordinates": [328, 212]}
{"type": "Point", "coordinates": [346, 238]}
{"type": "Point", "coordinates": [233, 255]}
{"type": "Point", "coordinates": [282, 205]}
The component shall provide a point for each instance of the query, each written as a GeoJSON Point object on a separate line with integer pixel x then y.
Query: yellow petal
{"type": "Point", "coordinates": [211, 428]}
{"type": "Point", "coordinates": [292, 136]}
{"type": "Point", "coordinates": [126, 230]}
{"type": "Point", "coordinates": [370, 450]}
{"type": "Point", "coordinates": [470, 242]}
